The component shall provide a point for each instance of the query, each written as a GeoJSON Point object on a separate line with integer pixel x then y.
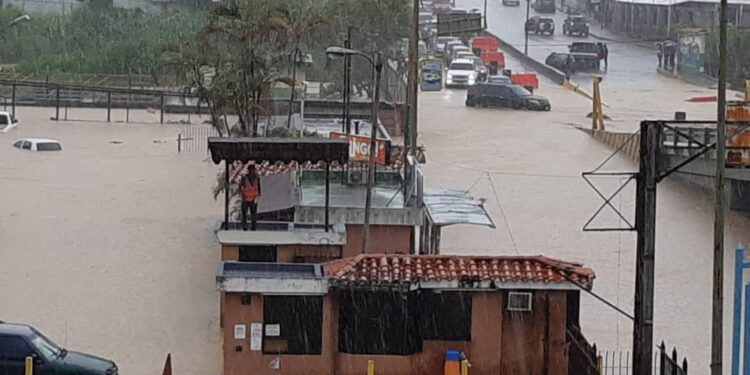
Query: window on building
{"type": "Point", "coordinates": [258, 254]}
{"type": "Point", "coordinates": [246, 299]}
{"type": "Point", "coordinates": [445, 316]}
{"type": "Point", "coordinates": [300, 324]}
{"type": "Point", "coordinates": [520, 301]}
{"type": "Point", "coordinates": [379, 323]}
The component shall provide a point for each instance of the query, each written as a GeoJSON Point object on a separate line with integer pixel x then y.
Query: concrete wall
{"type": "Point", "coordinates": [537, 66]}
{"type": "Point", "coordinates": [502, 342]}
{"type": "Point", "coordinates": [57, 7]}
{"type": "Point", "coordinates": [650, 20]}
{"type": "Point", "coordinates": [287, 253]}
{"type": "Point", "coordinates": [246, 362]}
{"type": "Point", "coordinates": [523, 338]}
{"type": "Point", "coordinates": [384, 239]}
{"type": "Point", "coordinates": [312, 253]}
{"type": "Point", "coordinates": [230, 253]}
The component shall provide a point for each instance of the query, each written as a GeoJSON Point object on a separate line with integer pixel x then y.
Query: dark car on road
{"type": "Point", "coordinates": [497, 79]}
{"type": "Point", "coordinates": [18, 341]}
{"type": "Point", "coordinates": [559, 61]}
{"type": "Point", "coordinates": [510, 96]}
{"type": "Point", "coordinates": [587, 55]}
{"type": "Point", "coordinates": [544, 6]}
{"type": "Point", "coordinates": [540, 25]}
{"type": "Point", "coordinates": [576, 25]}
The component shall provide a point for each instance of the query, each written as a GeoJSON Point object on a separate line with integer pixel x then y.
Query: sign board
{"type": "Point", "coordinates": [431, 77]}
{"type": "Point", "coordinates": [455, 24]}
{"type": "Point", "coordinates": [240, 331]}
{"type": "Point", "coordinates": [738, 156]}
{"type": "Point", "coordinates": [256, 336]}
{"type": "Point", "coordinates": [359, 148]}
{"type": "Point", "coordinates": [273, 330]}
{"type": "Point", "coordinates": [692, 53]}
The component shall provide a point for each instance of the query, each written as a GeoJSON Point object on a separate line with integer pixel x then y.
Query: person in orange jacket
{"type": "Point", "coordinates": [250, 192]}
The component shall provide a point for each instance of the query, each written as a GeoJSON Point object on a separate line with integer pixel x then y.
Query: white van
{"type": "Point", "coordinates": [38, 144]}
{"type": "Point", "coordinates": [7, 122]}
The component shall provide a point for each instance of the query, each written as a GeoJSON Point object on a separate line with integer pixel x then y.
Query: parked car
{"type": "Point", "coordinates": [18, 341]}
{"type": "Point", "coordinates": [482, 71]}
{"type": "Point", "coordinates": [499, 80]}
{"type": "Point", "coordinates": [38, 144]}
{"type": "Point", "coordinates": [510, 96]}
{"type": "Point", "coordinates": [512, 2]}
{"type": "Point", "coordinates": [576, 25]}
{"type": "Point", "coordinates": [558, 60]}
{"type": "Point", "coordinates": [463, 55]}
{"type": "Point", "coordinates": [441, 41]}
{"type": "Point", "coordinates": [461, 72]}
{"type": "Point", "coordinates": [587, 55]}
{"type": "Point", "coordinates": [448, 49]}
{"type": "Point", "coordinates": [544, 6]}
{"type": "Point", "coordinates": [540, 25]}
{"type": "Point", "coordinates": [7, 122]}
{"type": "Point", "coordinates": [457, 50]}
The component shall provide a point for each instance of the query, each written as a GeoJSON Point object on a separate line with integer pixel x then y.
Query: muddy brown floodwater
{"type": "Point", "coordinates": [107, 248]}
{"type": "Point", "coordinates": [540, 203]}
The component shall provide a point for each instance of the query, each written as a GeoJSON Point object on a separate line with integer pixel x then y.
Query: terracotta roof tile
{"type": "Point", "coordinates": [384, 269]}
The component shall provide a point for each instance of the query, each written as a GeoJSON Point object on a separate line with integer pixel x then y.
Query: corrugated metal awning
{"type": "Point", "coordinates": [448, 207]}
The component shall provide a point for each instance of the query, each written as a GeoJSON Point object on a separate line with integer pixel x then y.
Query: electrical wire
{"type": "Point", "coordinates": [475, 182]}
{"type": "Point", "coordinates": [614, 153]}
{"type": "Point", "coordinates": [507, 173]}
{"type": "Point", "coordinates": [502, 213]}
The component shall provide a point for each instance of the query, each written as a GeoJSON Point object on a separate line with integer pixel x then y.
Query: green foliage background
{"type": "Point", "coordinates": [106, 40]}
{"type": "Point", "coordinates": [94, 40]}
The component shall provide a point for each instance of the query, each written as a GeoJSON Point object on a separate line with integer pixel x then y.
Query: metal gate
{"type": "Point", "coordinates": [194, 138]}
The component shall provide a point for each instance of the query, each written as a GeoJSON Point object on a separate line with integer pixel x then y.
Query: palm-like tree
{"type": "Point", "coordinates": [302, 24]}
{"type": "Point", "coordinates": [248, 34]}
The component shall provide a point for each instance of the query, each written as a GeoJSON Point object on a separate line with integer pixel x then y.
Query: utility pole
{"type": "Point", "coordinates": [645, 223]}
{"type": "Point", "coordinates": [526, 32]}
{"type": "Point", "coordinates": [721, 142]}
{"type": "Point", "coordinates": [378, 65]}
{"type": "Point", "coordinates": [414, 72]}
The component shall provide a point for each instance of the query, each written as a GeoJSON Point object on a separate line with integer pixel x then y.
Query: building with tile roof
{"type": "Point", "coordinates": [505, 314]}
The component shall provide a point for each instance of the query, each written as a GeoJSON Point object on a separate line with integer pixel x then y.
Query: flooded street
{"type": "Point", "coordinates": [107, 248]}
{"type": "Point", "coordinates": [535, 161]}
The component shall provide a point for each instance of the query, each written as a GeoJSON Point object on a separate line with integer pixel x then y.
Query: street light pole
{"type": "Point", "coordinates": [526, 32]}
{"type": "Point", "coordinates": [373, 149]}
{"type": "Point", "coordinates": [377, 64]}
{"type": "Point", "coordinates": [346, 123]}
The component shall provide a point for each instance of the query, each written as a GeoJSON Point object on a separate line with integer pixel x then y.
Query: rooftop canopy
{"type": "Point", "coordinates": [278, 149]}
{"type": "Point", "coordinates": [453, 271]}
{"type": "Point", "coordinates": [448, 206]}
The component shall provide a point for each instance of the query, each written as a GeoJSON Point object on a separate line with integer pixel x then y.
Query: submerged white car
{"type": "Point", "coordinates": [38, 144]}
{"type": "Point", "coordinates": [7, 122]}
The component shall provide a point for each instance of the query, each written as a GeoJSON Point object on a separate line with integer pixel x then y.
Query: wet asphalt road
{"type": "Point", "coordinates": [629, 63]}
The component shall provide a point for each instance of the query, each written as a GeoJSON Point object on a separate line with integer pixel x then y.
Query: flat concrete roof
{"type": "Point", "coordinates": [353, 196]}
{"type": "Point", "coordinates": [292, 235]}
{"type": "Point", "coordinates": [271, 278]}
